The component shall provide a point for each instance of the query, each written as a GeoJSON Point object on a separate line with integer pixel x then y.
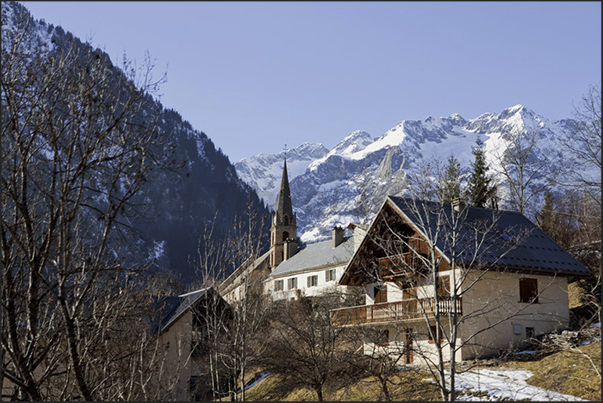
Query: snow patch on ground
{"type": "Point", "coordinates": [494, 385]}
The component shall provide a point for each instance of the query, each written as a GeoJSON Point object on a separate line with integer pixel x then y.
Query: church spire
{"type": "Point", "coordinates": [283, 233]}
{"type": "Point", "coordinates": [284, 208]}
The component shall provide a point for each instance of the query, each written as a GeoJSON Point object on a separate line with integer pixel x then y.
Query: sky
{"type": "Point", "coordinates": [257, 77]}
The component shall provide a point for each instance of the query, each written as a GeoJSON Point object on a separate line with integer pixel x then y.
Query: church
{"type": "Point", "coordinates": [288, 271]}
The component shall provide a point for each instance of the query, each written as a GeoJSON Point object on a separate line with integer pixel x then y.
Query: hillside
{"type": "Point", "coordinates": [561, 376]}
{"type": "Point", "coordinates": [193, 181]}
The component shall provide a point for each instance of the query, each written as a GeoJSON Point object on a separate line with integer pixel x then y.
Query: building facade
{"type": "Point", "coordinates": [477, 279]}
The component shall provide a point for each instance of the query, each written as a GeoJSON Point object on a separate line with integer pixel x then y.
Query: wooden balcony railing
{"type": "Point", "coordinates": [392, 311]}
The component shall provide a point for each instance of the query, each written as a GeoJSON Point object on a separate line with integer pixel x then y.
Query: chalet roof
{"type": "Point", "coordinates": [510, 241]}
{"type": "Point", "coordinates": [171, 308]}
{"type": "Point", "coordinates": [316, 255]}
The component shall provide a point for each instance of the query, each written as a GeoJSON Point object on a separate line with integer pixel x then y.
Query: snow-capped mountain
{"type": "Point", "coordinates": [349, 182]}
{"type": "Point", "coordinates": [263, 171]}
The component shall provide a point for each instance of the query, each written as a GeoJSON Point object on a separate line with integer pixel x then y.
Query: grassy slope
{"type": "Point", "coordinates": [568, 372]}
{"type": "Point", "coordinates": [409, 385]}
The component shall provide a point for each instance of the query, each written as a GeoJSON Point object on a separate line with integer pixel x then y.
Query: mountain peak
{"type": "Point", "coordinates": [333, 189]}
{"type": "Point", "coordinates": [352, 143]}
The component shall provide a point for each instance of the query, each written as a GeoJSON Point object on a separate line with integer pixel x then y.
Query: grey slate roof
{"type": "Point", "coordinates": [316, 255]}
{"type": "Point", "coordinates": [514, 241]}
{"type": "Point", "coordinates": [170, 309]}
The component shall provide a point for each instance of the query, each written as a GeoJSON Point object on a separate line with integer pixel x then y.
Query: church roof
{"type": "Point", "coordinates": [316, 255]}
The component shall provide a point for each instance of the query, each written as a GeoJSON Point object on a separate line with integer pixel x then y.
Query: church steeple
{"type": "Point", "coordinates": [284, 208]}
{"type": "Point", "coordinates": [283, 233]}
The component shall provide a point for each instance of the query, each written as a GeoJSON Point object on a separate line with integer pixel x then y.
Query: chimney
{"type": "Point", "coordinates": [458, 205]}
{"type": "Point", "coordinates": [337, 236]}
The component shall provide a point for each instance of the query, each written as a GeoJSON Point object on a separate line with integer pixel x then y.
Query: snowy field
{"type": "Point", "coordinates": [493, 385]}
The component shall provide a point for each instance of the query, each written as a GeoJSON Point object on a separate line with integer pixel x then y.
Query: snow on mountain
{"type": "Point", "coordinates": [263, 171]}
{"type": "Point", "coordinates": [349, 182]}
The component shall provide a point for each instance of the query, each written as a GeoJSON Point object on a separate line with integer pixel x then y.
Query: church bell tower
{"type": "Point", "coordinates": [283, 232]}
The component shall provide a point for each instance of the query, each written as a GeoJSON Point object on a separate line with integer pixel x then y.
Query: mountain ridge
{"type": "Point", "coordinates": [334, 187]}
{"type": "Point", "coordinates": [179, 201]}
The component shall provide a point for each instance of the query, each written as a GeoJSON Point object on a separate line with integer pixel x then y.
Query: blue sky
{"type": "Point", "coordinates": [255, 76]}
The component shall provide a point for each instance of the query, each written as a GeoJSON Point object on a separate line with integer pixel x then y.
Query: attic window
{"type": "Point", "coordinates": [506, 237]}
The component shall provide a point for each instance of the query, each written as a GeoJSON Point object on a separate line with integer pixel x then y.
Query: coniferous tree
{"type": "Point", "coordinates": [450, 182]}
{"type": "Point", "coordinates": [481, 192]}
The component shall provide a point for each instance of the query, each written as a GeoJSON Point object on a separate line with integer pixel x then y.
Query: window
{"type": "Point", "coordinates": [292, 283]}
{"type": "Point", "coordinates": [278, 285]}
{"type": "Point", "coordinates": [528, 290]}
{"type": "Point", "coordinates": [380, 293]}
{"type": "Point", "coordinates": [286, 220]}
{"type": "Point", "coordinates": [312, 281]}
{"type": "Point", "coordinates": [383, 338]}
{"type": "Point", "coordinates": [529, 332]}
{"type": "Point", "coordinates": [285, 236]}
{"type": "Point", "coordinates": [432, 334]}
{"type": "Point", "coordinates": [443, 286]}
{"type": "Point", "coordinates": [330, 275]}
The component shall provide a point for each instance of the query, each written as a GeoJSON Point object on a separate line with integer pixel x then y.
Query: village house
{"type": "Point", "coordinates": [491, 278]}
{"type": "Point", "coordinates": [182, 326]}
{"type": "Point", "coordinates": [315, 269]}
{"type": "Point", "coordinates": [289, 270]}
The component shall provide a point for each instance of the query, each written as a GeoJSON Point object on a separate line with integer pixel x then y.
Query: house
{"type": "Point", "coordinates": [476, 279]}
{"type": "Point", "coordinates": [315, 269]}
{"type": "Point", "coordinates": [183, 325]}
{"type": "Point", "coordinates": [289, 270]}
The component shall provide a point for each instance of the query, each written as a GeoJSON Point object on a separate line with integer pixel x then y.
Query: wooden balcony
{"type": "Point", "coordinates": [392, 311]}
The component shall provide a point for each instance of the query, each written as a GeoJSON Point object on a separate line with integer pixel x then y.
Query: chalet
{"type": "Point", "coordinates": [474, 279]}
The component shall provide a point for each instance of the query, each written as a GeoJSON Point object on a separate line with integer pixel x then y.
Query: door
{"type": "Point", "coordinates": [380, 293]}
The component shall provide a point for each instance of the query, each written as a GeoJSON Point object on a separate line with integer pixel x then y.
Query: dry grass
{"type": "Point", "coordinates": [407, 386]}
{"type": "Point", "coordinates": [570, 372]}
{"type": "Point", "coordinates": [575, 295]}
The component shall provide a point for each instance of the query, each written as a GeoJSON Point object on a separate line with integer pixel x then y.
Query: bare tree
{"type": "Point", "coordinates": [305, 347]}
{"type": "Point", "coordinates": [78, 147]}
{"type": "Point", "coordinates": [526, 177]}
{"type": "Point", "coordinates": [233, 336]}
{"type": "Point", "coordinates": [585, 144]}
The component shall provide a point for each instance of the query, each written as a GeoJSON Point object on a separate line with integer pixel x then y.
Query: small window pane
{"type": "Point", "coordinates": [528, 290]}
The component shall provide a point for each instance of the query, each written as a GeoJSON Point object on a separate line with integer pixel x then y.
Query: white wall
{"type": "Point", "coordinates": [495, 302]}
{"type": "Point", "coordinates": [498, 318]}
{"type": "Point", "coordinates": [302, 283]}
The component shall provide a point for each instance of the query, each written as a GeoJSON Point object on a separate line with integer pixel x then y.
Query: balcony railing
{"type": "Point", "coordinates": [393, 311]}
